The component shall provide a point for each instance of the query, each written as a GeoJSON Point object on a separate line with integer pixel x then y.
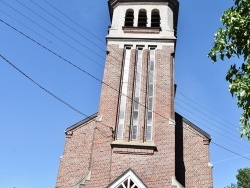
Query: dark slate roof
{"type": "Point", "coordinates": [81, 122]}
{"type": "Point", "coordinates": [192, 125]}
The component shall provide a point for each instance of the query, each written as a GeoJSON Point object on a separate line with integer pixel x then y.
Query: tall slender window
{"type": "Point", "coordinates": [123, 97]}
{"type": "Point", "coordinates": [142, 18]}
{"type": "Point", "coordinates": [155, 18]}
{"type": "Point", "coordinates": [129, 18]}
{"type": "Point", "coordinates": [151, 73]}
{"type": "Point", "coordinates": [137, 94]}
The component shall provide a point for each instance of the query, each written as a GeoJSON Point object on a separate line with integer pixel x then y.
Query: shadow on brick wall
{"type": "Point", "coordinates": [179, 162]}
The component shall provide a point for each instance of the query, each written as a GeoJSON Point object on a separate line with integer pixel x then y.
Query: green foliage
{"type": "Point", "coordinates": [243, 178]}
{"type": "Point", "coordinates": [233, 40]}
{"type": "Point", "coordinates": [232, 186]}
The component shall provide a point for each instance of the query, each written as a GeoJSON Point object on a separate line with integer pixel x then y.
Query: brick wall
{"type": "Point", "coordinates": [75, 161]}
{"type": "Point", "coordinates": [192, 156]}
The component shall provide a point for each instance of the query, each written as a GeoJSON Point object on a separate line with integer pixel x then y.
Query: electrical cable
{"type": "Point", "coordinates": [74, 65]}
{"type": "Point", "coordinates": [62, 58]}
{"type": "Point", "coordinates": [115, 58]}
{"type": "Point", "coordinates": [68, 105]}
{"type": "Point", "coordinates": [80, 27]}
{"type": "Point", "coordinates": [43, 88]}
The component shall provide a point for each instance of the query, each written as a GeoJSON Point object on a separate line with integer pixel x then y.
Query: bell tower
{"type": "Point", "coordinates": [137, 99]}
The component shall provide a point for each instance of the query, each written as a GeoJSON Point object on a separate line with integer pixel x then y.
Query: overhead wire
{"type": "Point", "coordinates": [78, 111]}
{"type": "Point", "coordinates": [86, 30]}
{"type": "Point", "coordinates": [222, 147]}
{"type": "Point", "coordinates": [60, 21]}
{"type": "Point", "coordinates": [49, 32]}
{"type": "Point", "coordinates": [205, 109]}
{"type": "Point", "coordinates": [53, 25]}
{"type": "Point", "coordinates": [222, 136]}
{"type": "Point", "coordinates": [64, 42]}
{"type": "Point", "coordinates": [49, 41]}
{"type": "Point", "coordinates": [8, 15]}
{"type": "Point", "coordinates": [115, 50]}
{"type": "Point", "coordinates": [224, 130]}
{"type": "Point", "coordinates": [74, 65]}
{"type": "Point", "coordinates": [41, 87]}
{"type": "Point", "coordinates": [46, 90]}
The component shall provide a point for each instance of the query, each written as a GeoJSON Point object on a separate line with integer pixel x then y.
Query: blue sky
{"type": "Point", "coordinates": [33, 123]}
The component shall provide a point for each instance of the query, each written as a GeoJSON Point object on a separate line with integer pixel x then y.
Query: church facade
{"type": "Point", "coordinates": [136, 140]}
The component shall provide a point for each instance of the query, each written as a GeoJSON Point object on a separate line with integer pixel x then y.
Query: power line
{"type": "Point", "coordinates": [219, 138]}
{"type": "Point", "coordinates": [218, 145]}
{"type": "Point", "coordinates": [65, 24]}
{"type": "Point", "coordinates": [25, 26]}
{"type": "Point", "coordinates": [47, 91]}
{"type": "Point", "coordinates": [75, 66]}
{"type": "Point", "coordinates": [56, 36]}
{"type": "Point", "coordinates": [68, 105]}
{"type": "Point", "coordinates": [229, 159]}
{"type": "Point", "coordinates": [158, 114]}
{"type": "Point", "coordinates": [205, 115]}
{"type": "Point", "coordinates": [43, 88]}
{"type": "Point", "coordinates": [82, 35]}
{"type": "Point", "coordinates": [71, 63]}
{"type": "Point", "coordinates": [68, 35]}
{"type": "Point", "coordinates": [75, 22]}
{"type": "Point", "coordinates": [206, 109]}
{"type": "Point", "coordinates": [85, 31]}
{"type": "Point", "coordinates": [231, 151]}
{"type": "Point", "coordinates": [51, 33]}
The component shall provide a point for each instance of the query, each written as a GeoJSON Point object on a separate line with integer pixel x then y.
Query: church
{"type": "Point", "coordinates": [136, 140]}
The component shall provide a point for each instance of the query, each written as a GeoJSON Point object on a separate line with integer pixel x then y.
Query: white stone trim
{"type": "Point", "coordinates": [130, 174]}
{"type": "Point", "coordinates": [82, 181]}
{"type": "Point", "coordinates": [176, 183]}
{"type": "Point", "coordinates": [171, 122]}
{"type": "Point", "coordinates": [210, 165]}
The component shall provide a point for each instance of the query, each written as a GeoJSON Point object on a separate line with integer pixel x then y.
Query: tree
{"type": "Point", "coordinates": [233, 40]}
{"type": "Point", "coordinates": [231, 186]}
{"type": "Point", "coordinates": [243, 179]}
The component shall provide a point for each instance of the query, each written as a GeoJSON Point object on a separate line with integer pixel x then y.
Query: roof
{"type": "Point", "coordinates": [81, 122]}
{"type": "Point", "coordinates": [176, 116]}
{"type": "Point", "coordinates": [193, 125]}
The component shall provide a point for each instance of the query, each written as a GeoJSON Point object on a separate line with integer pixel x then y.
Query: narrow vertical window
{"type": "Point", "coordinates": [129, 18]}
{"type": "Point", "coordinates": [151, 73]}
{"type": "Point", "coordinates": [142, 18]}
{"type": "Point", "coordinates": [155, 18]}
{"type": "Point", "coordinates": [123, 95]}
{"type": "Point", "coordinates": [137, 86]}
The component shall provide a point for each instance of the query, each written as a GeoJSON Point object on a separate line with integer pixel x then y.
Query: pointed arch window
{"type": "Point", "coordinates": [136, 109]}
{"type": "Point", "coordinates": [128, 183]}
{"type": "Point", "coordinates": [142, 18]}
{"type": "Point", "coordinates": [155, 18]}
{"type": "Point", "coordinates": [129, 18]}
{"type": "Point", "coordinates": [151, 87]}
{"type": "Point", "coordinates": [123, 94]}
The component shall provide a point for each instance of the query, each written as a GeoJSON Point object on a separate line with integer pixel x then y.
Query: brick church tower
{"type": "Point", "coordinates": [136, 140]}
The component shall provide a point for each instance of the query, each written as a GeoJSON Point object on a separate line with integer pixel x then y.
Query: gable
{"type": "Point", "coordinates": [81, 122]}
{"type": "Point", "coordinates": [127, 180]}
{"type": "Point", "coordinates": [179, 120]}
